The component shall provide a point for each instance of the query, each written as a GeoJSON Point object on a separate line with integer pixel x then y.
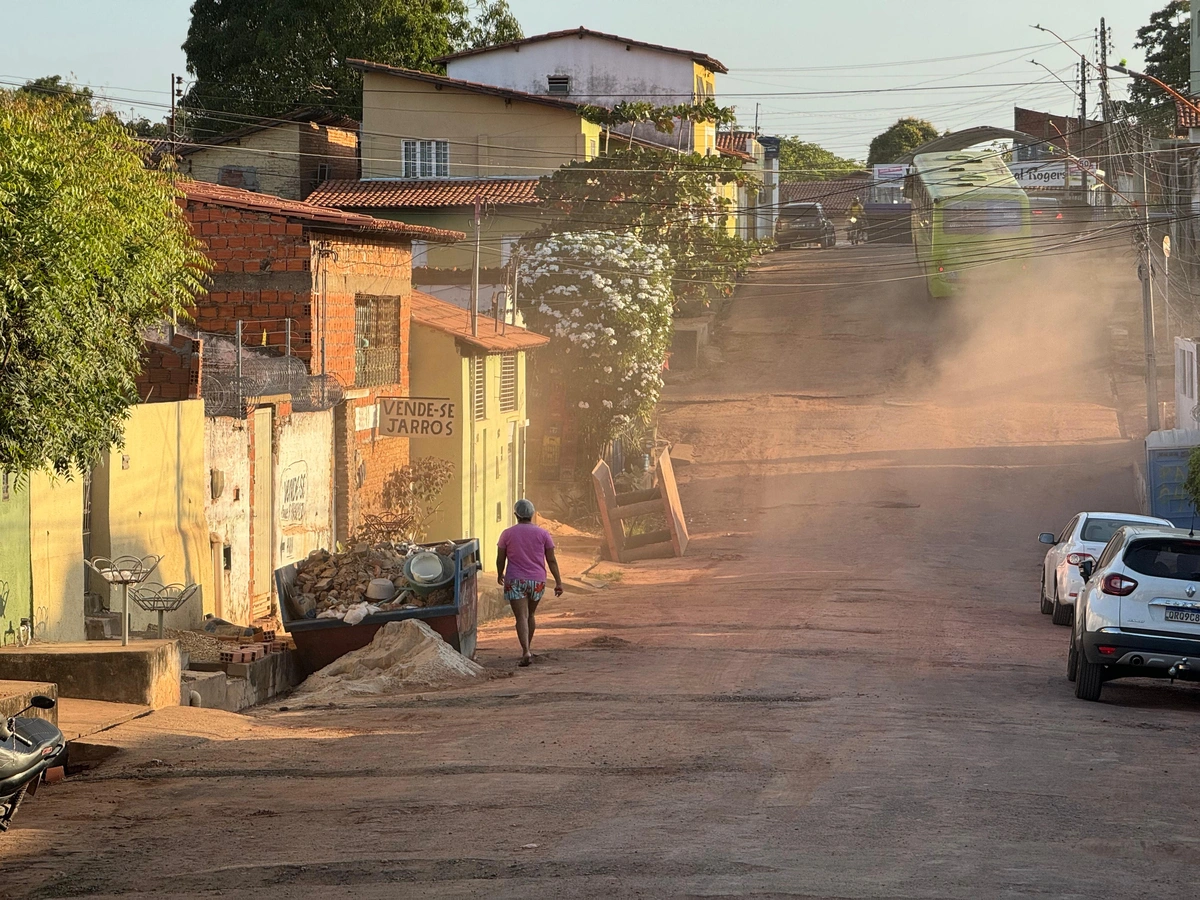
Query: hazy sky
{"type": "Point", "coordinates": [970, 61]}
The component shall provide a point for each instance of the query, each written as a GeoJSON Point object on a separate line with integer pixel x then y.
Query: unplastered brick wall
{"type": "Point", "coordinates": [363, 460]}
{"type": "Point", "coordinates": [170, 371]}
{"type": "Point", "coordinates": [261, 275]}
{"type": "Point", "coordinates": [334, 148]}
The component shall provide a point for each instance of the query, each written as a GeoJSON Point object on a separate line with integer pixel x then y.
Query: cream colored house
{"type": "Point", "coordinates": [288, 156]}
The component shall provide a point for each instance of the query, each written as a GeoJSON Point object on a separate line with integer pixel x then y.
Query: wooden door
{"type": "Point", "coordinates": [262, 518]}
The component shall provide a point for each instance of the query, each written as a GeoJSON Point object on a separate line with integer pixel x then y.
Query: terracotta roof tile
{"type": "Point", "coordinates": [1186, 116]}
{"type": "Point", "coordinates": [304, 115]}
{"type": "Point", "coordinates": [401, 194]}
{"type": "Point", "coordinates": [450, 319]}
{"type": "Point", "coordinates": [702, 58]}
{"type": "Point", "coordinates": [734, 144]}
{"type": "Point", "coordinates": [219, 195]}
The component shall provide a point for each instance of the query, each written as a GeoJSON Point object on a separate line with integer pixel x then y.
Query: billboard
{"type": "Point", "coordinates": [1040, 174]}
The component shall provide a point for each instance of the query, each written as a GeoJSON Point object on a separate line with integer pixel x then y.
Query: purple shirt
{"type": "Point", "coordinates": [525, 545]}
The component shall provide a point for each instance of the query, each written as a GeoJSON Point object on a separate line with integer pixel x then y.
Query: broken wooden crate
{"type": "Point", "coordinates": [617, 509]}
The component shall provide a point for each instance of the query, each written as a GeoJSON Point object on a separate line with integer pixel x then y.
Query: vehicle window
{"type": "Point", "coordinates": [1066, 532]}
{"type": "Point", "coordinates": [979, 216]}
{"type": "Point", "coordinates": [1110, 551]}
{"type": "Point", "coordinates": [800, 212]}
{"type": "Point", "coordinates": [1165, 558]}
{"type": "Point", "coordinates": [1100, 530]}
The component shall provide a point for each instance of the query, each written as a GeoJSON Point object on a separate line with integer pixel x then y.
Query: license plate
{"type": "Point", "coordinates": [1173, 614]}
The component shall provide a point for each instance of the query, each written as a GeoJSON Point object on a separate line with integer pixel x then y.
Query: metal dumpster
{"type": "Point", "coordinates": [320, 641]}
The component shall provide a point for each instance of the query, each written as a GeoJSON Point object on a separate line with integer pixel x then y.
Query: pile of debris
{"type": "Point", "coordinates": [404, 656]}
{"type": "Point", "coordinates": [346, 585]}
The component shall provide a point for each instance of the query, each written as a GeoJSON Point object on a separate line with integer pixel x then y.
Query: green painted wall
{"type": "Point", "coordinates": [14, 557]}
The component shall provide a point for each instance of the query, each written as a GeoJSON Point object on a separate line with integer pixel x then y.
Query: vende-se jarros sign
{"type": "Point", "coordinates": [416, 417]}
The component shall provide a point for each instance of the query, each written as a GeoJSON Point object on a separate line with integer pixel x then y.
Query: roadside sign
{"type": "Point", "coordinates": [416, 417]}
{"type": "Point", "coordinates": [1167, 246]}
{"type": "Point", "coordinates": [1040, 174]}
{"type": "Point", "coordinates": [1084, 165]}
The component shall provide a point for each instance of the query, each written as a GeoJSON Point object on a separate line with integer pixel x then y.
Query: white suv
{"type": "Point", "coordinates": [1082, 539]}
{"type": "Point", "coordinates": [1138, 614]}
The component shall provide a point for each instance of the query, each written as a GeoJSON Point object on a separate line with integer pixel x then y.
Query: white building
{"type": "Point", "coordinates": [601, 69]}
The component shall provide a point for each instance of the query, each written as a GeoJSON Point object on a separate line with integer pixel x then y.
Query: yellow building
{"type": "Point", "coordinates": [288, 156]}
{"type": "Point", "coordinates": [483, 374]}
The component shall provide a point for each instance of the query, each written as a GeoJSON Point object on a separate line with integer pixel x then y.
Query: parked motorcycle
{"type": "Point", "coordinates": [858, 231]}
{"type": "Point", "coordinates": [28, 747]}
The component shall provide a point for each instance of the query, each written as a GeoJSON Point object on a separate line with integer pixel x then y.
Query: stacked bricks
{"type": "Point", "coordinates": [171, 371]}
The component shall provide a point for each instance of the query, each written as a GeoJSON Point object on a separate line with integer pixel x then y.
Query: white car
{"type": "Point", "coordinates": [1082, 539]}
{"type": "Point", "coordinates": [1138, 615]}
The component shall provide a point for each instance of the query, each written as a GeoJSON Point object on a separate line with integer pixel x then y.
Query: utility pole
{"type": "Point", "coordinates": [1145, 273]}
{"type": "Point", "coordinates": [475, 275]}
{"type": "Point", "coordinates": [1105, 114]}
{"type": "Point", "coordinates": [171, 130]}
{"type": "Point", "coordinates": [1083, 122]}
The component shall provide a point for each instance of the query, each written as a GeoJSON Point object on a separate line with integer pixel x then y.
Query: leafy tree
{"type": "Point", "coordinates": [56, 87]}
{"type": "Point", "coordinates": [605, 301]}
{"type": "Point", "coordinates": [905, 136]}
{"type": "Point", "coordinates": [1167, 42]}
{"type": "Point", "coordinates": [264, 57]}
{"type": "Point", "coordinates": [1191, 485]}
{"type": "Point", "coordinates": [143, 127]}
{"type": "Point", "coordinates": [93, 250]}
{"type": "Point", "coordinates": [665, 198]}
{"type": "Point", "coordinates": [804, 161]}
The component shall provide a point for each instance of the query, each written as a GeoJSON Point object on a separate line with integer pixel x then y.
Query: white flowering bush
{"type": "Point", "coordinates": [605, 301]}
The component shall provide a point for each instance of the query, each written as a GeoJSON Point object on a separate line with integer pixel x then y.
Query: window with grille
{"type": "Point", "coordinates": [426, 159]}
{"type": "Point", "coordinates": [376, 340]}
{"type": "Point", "coordinates": [479, 387]}
{"type": "Point", "coordinates": [558, 84]}
{"type": "Point", "coordinates": [508, 382]}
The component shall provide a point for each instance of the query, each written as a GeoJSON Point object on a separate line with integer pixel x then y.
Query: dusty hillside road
{"type": "Point", "coordinates": [845, 690]}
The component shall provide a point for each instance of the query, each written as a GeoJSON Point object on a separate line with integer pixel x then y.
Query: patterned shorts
{"type": "Point", "coordinates": [519, 589]}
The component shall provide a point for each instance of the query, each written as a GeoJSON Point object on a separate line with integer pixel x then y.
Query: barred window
{"type": "Point", "coordinates": [479, 387]}
{"type": "Point", "coordinates": [376, 340]}
{"type": "Point", "coordinates": [508, 382]}
{"type": "Point", "coordinates": [426, 159]}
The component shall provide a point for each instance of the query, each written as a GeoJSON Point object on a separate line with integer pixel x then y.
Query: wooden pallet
{"type": "Point", "coordinates": [616, 509]}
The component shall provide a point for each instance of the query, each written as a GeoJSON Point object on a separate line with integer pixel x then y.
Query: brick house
{"type": "Point", "coordinates": [327, 292]}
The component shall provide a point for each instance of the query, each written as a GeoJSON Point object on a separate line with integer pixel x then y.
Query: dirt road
{"type": "Point", "coordinates": [844, 690]}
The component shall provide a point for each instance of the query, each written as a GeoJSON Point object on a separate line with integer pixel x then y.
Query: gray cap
{"type": "Point", "coordinates": [524, 509]}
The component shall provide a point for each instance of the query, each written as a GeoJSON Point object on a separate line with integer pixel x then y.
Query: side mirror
{"type": "Point", "coordinates": [1047, 538]}
{"type": "Point", "coordinates": [42, 702]}
{"type": "Point", "coordinates": [1086, 568]}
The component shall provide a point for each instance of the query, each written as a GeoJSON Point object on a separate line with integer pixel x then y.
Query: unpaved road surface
{"type": "Point", "coordinates": [844, 690]}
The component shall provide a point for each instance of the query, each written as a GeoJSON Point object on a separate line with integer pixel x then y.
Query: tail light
{"type": "Point", "coordinates": [941, 269]}
{"type": "Point", "coordinates": [1118, 585]}
{"type": "Point", "coordinates": [1059, 216]}
{"type": "Point", "coordinates": [1078, 559]}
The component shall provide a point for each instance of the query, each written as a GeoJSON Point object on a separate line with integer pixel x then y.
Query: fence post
{"type": "Point", "coordinates": [287, 345]}
{"type": "Point", "coordinates": [238, 376]}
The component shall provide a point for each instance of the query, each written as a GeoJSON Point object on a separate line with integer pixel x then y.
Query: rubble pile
{"type": "Point", "coordinates": [334, 585]}
{"type": "Point", "coordinates": [404, 656]}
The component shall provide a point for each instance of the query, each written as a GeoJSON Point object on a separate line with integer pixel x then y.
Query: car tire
{"type": "Point", "coordinates": [1047, 603]}
{"type": "Point", "coordinates": [1072, 658]}
{"type": "Point", "coordinates": [1089, 678]}
{"type": "Point", "coordinates": [1062, 614]}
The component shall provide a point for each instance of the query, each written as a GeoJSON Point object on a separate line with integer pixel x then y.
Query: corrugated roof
{"type": "Point", "coordinates": [307, 114]}
{"type": "Point", "coordinates": [835, 195]}
{"type": "Point", "coordinates": [219, 195]}
{"type": "Point", "coordinates": [493, 337]}
{"type": "Point", "coordinates": [428, 194]}
{"type": "Point", "coordinates": [702, 58]}
{"type": "Point", "coordinates": [472, 86]}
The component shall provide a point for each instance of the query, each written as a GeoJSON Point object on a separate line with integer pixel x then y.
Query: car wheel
{"type": "Point", "coordinates": [1062, 613]}
{"type": "Point", "coordinates": [1072, 658]}
{"type": "Point", "coordinates": [1089, 678]}
{"type": "Point", "coordinates": [1047, 603]}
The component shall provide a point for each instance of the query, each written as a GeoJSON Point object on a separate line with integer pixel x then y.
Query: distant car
{"type": "Point", "coordinates": [804, 223]}
{"type": "Point", "coordinates": [1138, 615]}
{"type": "Point", "coordinates": [1082, 539]}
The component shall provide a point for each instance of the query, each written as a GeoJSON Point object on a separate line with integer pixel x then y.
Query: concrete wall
{"type": "Point", "coordinates": [273, 154]}
{"type": "Point", "coordinates": [151, 500]}
{"type": "Point", "coordinates": [303, 485]}
{"type": "Point", "coordinates": [479, 503]}
{"type": "Point", "coordinates": [56, 556]}
{"type": "Point", "coordinates": [16, 579]}
{"type": "Point", "coordinates": [497, 225]}
{"type": "Point", "coordinates": [488, 135]}
{"type": "Point", "coordinates": [226, 451]}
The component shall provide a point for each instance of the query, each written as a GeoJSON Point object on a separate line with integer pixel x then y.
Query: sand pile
{"type": "Point", "coordinates": [404, 656]}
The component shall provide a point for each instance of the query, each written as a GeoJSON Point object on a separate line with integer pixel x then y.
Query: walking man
{"type": "Point", "coordinates": [524, 551]}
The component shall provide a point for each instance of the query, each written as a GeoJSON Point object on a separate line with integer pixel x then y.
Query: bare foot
{"type": "Point", "coordinates": [525, 660]}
